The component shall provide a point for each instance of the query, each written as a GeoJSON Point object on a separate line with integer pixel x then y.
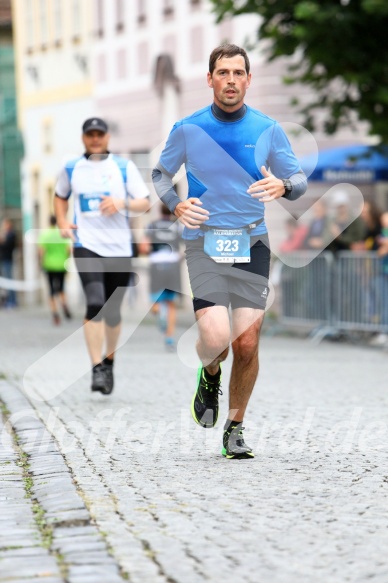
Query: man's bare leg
{"type": "Point", "coordinates": [171, 319]}
{"type": "Point", "coordinates": [246, 326]}
{"type": "Point", "coordinates": [112, 334]}
{"type": "Point", "coordinates": [246, 323]}
{"type": "Point", "coordinates": [212, 348]}
{"type": "Point", "coordinates": [94, 336]}
{"type": "Point", "coordinates": [214, 337]}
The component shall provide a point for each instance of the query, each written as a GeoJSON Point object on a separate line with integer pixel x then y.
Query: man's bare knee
{"type": "Point", "coordinates": [245, 347]}
{"type": "Point", "coordinates": [215, 346]}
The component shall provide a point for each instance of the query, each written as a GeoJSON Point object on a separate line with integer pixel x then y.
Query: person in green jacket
{"type": "Point", "coordinates": [54, 250]}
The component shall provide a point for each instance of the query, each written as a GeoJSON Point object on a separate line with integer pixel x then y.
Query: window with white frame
{"type": "Point", "coordinates": [143, 58]}
{"type": "Point", "coordinates": [168, 8]}
{"type": "Point", "coordinates": [197, 44]}
{"type": "Point", "coordinates": [50, 191]}
{"type": "Point", "coordinates": [100, 18]}
{"type": "Point", "coordinates": [47, 136]}
{"type": "Point", "coordinates": [43, 23]}
{"type": "Point", "coordinates": [121, 63]}
{"type": "Point", "coordinates": [120, 17]}
{"type": "Point", "coordinates": [141, 11]}
{"type": "Point", "coordinates": [29, 24]}
{"type": "Point", "coordinates": [57, 19]}
{"type": "Point", "coordinates": [101, 68]}
{"type": "Point", "coordinates": [76, 18]}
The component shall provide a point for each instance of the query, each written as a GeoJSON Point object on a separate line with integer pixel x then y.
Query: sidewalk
{"type": "Point", "coordinates": [128, 488]}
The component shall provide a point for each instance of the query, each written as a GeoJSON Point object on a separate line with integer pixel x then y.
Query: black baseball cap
{"type": "Point", "coordinates": [95, 123]}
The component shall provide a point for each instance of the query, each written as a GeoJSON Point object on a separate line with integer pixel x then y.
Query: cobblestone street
{"type": "Point", "coordinates": [127, 487]}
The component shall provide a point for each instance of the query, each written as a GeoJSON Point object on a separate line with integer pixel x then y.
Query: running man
{"type": "Point", "coordinates": [106, 189]}
{"type": "Point", "coordinates": [228, 149]}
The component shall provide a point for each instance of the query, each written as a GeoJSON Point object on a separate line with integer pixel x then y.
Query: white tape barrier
{"type": "Point", "coordinates": [19, 284]}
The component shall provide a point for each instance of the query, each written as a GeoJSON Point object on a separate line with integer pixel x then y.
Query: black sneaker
{"type": "Point", "coordinates": [102, 380]}
{"type": "Point", "coordinates": [109, 381]}
{"type": "Point", "coordinates": [235, 447]}
{"type": "Point", "coordinates": [204, 406]}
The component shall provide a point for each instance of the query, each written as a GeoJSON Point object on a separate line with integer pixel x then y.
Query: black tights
{"type": "Point", "coordinates": [103, 279]}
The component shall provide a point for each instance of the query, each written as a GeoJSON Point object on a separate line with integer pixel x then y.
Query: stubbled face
{"type": "Point", "coordinates": [95, 142]}
{"type": "Point", "coordinates": [229, 82]}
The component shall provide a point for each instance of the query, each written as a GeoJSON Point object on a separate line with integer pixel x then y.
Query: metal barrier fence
{"type": "Point", "coordinates": [348, 291]}
{"type": "Point", "coordinates": [361, 299]}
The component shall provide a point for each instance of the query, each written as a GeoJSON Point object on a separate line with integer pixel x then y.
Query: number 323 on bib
{"type": "Point", "coordinates": [228, 245]}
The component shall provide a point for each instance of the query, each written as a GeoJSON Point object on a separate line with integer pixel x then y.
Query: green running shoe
{"type": "Point", "coordinates": [204, 406]}
{"type": "Point", "coordinates": [235, 447]}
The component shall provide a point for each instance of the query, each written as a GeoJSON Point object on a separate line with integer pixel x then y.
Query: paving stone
{"type": "Point", "coordinates": [80, 547]}
{"type": "Point", "coordinates": [33, 580]}
{"type": "Point", "coordinates": [32, 551]}
{"type": "Point", "coordinates": [67, 504]}
{"type": "Point", "coordinates": [78, 532]}
{"type": "Point", "coordinates": [68, 516]}
{"type": "Point", "coordinates": [29, 567]}
{"type": "Point", "coordinates": [95, 573]}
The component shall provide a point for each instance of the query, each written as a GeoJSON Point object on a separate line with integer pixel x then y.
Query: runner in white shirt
{"type": "Point", "coordinates": [105, 189]}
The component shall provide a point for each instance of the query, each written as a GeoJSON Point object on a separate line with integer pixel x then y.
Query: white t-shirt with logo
{"type": "Point", "coordinates": [88, 181]}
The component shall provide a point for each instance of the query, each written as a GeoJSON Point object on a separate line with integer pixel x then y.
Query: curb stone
{"type": "Point", "coordinates": [77, 552]}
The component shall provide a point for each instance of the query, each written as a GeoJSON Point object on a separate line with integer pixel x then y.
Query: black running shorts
{"type": "Point", "coordinates": [239, 285]}
{"type": "Point", "coordinates": [56, 281]}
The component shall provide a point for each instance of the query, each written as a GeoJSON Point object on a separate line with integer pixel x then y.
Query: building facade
{"type": "Point", "coordinates": [11, 149]}
{"type": "Point", "coordinates": [53, 40]}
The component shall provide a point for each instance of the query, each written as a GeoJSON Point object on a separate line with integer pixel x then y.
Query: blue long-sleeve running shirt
{"type": "Point", "coordinates": [223, 157]}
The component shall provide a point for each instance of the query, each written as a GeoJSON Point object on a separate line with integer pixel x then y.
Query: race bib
{"type": "Point", "coordinates": [228, 245]}
{"type": "Point", "coordinates": [90, 203]}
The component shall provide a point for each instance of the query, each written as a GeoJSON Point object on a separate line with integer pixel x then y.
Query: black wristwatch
{"type": "Point", "coordinates": [287, 186]}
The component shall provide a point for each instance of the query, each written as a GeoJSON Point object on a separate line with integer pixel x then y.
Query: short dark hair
{"type": "Point", "coordinates": [227, 50]}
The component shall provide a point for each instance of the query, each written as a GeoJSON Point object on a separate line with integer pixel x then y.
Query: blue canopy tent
{"type": "Point", "coordinates": [358, 163]}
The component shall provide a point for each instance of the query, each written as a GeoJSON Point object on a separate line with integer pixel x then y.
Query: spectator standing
{"type": "Point", "coordinates": [292, 287]}
{"type": "Point", "coordinates": [319, 233]}
{"type": "Point", "coordinates": [382, 251]}
{"type": "Point", "coordinates": [296, 235]}
{"type": "Point", "coordinates": [8, 242]}
{"type": "Point", "coordinates": [371, 217]}
{"type": "Point", "coordinates": [345, 228]}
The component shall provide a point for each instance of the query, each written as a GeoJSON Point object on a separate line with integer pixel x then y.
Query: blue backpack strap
{"type": "Point", "coordinates": [122, 164]}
